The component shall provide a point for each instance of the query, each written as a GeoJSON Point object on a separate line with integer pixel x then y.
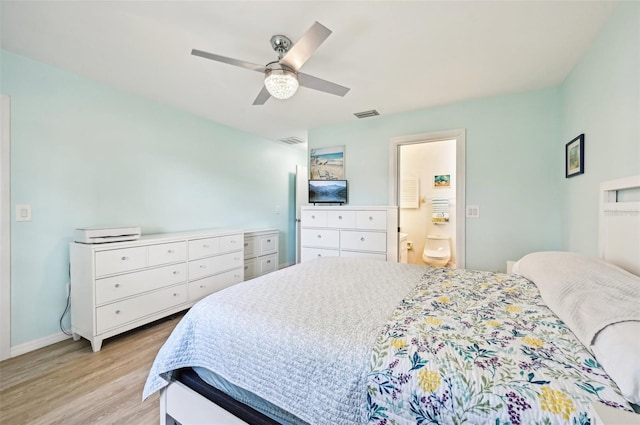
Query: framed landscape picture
{"type": "Point", "coordinates": [574, 157]}
{"type": "Point", "coordinates": [326, 163]}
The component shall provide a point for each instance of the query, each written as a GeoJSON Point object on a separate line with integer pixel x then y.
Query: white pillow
{"type": "Point", "coordinates": [617, 349]}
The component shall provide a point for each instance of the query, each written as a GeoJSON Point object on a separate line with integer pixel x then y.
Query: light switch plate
{"type": "Point", "coordinates": [23, 212]}
{"type": "Point", "coordinates": [473, 211]}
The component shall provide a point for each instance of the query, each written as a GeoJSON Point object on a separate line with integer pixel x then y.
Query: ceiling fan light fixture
{"type": "Point", "coordinates": [281, 83]}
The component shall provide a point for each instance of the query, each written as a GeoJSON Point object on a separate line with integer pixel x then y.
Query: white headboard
{"type": "Point", "coordinates": [619, 238]}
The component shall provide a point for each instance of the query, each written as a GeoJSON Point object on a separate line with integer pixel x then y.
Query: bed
{"type": "Point", "coordinates": [360, 341]}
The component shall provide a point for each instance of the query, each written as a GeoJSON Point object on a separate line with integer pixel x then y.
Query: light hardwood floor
{"type": "Point", "coordinates": [67, 383]}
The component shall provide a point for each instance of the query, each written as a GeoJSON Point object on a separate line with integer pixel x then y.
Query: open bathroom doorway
{"type": "Point", "coordinates": [427, 182]}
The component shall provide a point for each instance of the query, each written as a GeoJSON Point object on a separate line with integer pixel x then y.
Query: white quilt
{"type": "Point", "coordinates": [300, 338]}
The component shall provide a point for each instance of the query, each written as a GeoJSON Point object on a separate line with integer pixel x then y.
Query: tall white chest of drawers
{"type": "Point", "coordinates": [118, 286]}
{"type": "Point", "coordinates": [347, 231]}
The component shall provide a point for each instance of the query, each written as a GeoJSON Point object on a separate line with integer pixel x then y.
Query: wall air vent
{"type": "Point", "coordinates": [367, 114]}
{"type": "Point", "coordinates": [291, 140]}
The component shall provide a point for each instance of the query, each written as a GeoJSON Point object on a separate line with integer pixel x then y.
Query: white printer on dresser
{"type": "Point", "coordinates": [117, 286]}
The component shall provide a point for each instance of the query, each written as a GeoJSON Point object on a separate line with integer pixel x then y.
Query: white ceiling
{"type": "Point", "coordinates": [394, 55]}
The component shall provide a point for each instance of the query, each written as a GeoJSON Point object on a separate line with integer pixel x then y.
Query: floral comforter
{"type": "Point", "coordinates": [471, 347]}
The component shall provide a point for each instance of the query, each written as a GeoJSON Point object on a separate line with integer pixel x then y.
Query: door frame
{"type": "Point", "coordinates": [394, 177]}
{"type": "Point", "coordinates": [5, 227]}
{"type": "Point", "coordinates": [302, 198]}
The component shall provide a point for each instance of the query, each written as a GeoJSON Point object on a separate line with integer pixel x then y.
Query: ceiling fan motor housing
{"type": "Point", "coordinates": [281, 44]}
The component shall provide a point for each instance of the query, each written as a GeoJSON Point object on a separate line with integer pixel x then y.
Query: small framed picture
{"type": "Point", "coordinates": [442, 180]}
{"type": "Point", "coordinates": [574, 157]}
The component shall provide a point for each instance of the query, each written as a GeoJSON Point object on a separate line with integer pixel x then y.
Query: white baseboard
{"type": "Point", "coordinates": [38, 343]}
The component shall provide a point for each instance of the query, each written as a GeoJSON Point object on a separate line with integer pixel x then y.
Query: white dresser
{"type": "Point", "coordinates": [260, 252]}
{"type": "Point", "coordinates": [349, 231]}
{"type": "Point", "coordinates": [118, 286]}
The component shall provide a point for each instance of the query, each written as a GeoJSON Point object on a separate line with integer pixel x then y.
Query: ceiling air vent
{"type": "Point", "coordinates": [291, 140]}
{"type": "Point", "coordinates": [367, 114]}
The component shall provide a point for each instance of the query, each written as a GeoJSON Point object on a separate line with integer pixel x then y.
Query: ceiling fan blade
{"type": "Point", "coordinates": [230, 61]}
{"type": "Point", "coordinates": [316, 83]}
{"type": "Point", "coordinates": [263, 96]}
{"type": "Point", "coordinates": [300, 52]}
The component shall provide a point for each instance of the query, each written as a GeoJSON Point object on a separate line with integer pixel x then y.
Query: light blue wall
{"type": "Point", "coordinates": [602, 100]}
{"type": "Point", "coordinates": [512, 168]}
{"type": "Point", "coordinates": [84, 154]}
{"type": "Point", "coordinates": [515, 151]}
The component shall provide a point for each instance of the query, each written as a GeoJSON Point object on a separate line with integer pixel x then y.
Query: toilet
{"type": "Point", "coordinates": [437, 250]}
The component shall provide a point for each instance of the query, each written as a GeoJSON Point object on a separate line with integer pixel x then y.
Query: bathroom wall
{"type": "Point", "coordinates": [424, 161]}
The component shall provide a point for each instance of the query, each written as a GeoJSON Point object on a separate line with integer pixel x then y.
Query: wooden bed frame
{"type": "Point", "coordinates": [619, 225]}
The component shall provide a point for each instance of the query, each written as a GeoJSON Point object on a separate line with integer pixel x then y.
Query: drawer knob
{"type": "Point", "coordinates": [319, 236]}
{"type": "Point", "coordinates": [268, 240]}
{"type": "Point", "coordinates": [319, 255]}
{"type": "Point", "coordinates": [246, 244]}
{"type": "Point", "coordinates": [362, 239]}
{"type": "Point", "coordinates": [176, 272]}
{"type": "Point", "coordinates": [339, 217]}
{"type": "Point", "coordinates": [313, 217]}
{"type": "Point", "coordinates": [268, 261]}
{"type": "Point", "coordinates": [246, 267]}
{"type": "Point", "coordinates": [117, 311]}
{"type": "Point", "coordinates": [175, 294]}
{"type": "Point", "coordinates": [117, 285]}
{"type": "Point", "coordinates": [205, 246]}
{"type": "Point", "coordinates": [201, 286]}
{"type": "Point", "coordinates": [236, 276]}
{"type": "Point", "coordinates": [171, 251]}
{"type": "Point", "coordinates": [124, 258]}
{"type": "Point", "coordinates": [203, 266]}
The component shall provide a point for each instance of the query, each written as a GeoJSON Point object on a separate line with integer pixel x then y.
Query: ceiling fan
{"type": "Point", "coordinates": [282, 77]}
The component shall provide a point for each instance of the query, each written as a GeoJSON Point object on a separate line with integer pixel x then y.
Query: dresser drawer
{"type": "Point", "coordinates": [267, 264]}
{"type": "Point", "coordinates": [113, 315]}
{"type": "Point", "coordinates": [373, 220]}
{"type": "Point", "coordinates": [249, 246]}
{"type": "Point", "coordinates": [213, 265]}
{"type": "Point", "coordinates": [358, 254]}
{"type": "Point", "coordinates": [167, 253]}
{"type": "Point", "coordinates": [201, 288]}
{"type": "Point", "coordinates": [341, 219]}
{"type": "Point", "coordinates": [320, 238]}
{"type": "Point", "coordinates": [120, 260]}
{"type": "Point", "coordinates": [231, 243]}
{"type": "Point", "coordinates": [314, 218]}
{"type": "Point", "coordinates": [363, 241]}
{"type": "Point", "coordinates": [110, 289]}
{"type": "Point", "coordinates": [307, 254]}
{"type": "Point", "coordinates": [249, 269]}
{"type": "Point", "coordinates": [199, 248]}
{"type": "Point", "coordinates": [267, 244]}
